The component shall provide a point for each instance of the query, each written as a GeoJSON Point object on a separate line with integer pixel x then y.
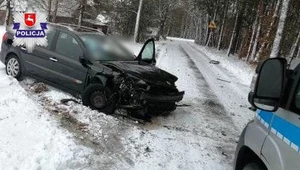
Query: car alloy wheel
{"type": "Point", "coordinates": [13, 67]}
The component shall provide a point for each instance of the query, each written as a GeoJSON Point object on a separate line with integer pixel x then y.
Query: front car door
{"type": "Point", "coordinates": [147, 54]}
{"type": "Point", "coordinates": [67, 71]}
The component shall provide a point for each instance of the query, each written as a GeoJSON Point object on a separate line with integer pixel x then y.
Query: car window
{"type": "Point", "coordinates": [50, 37]}
{"type": "Point", "coordinates": [148, 51]}
{"type": "Point", "coordinates": [106, 49]}
{"type": "Point", "coordinates": [68, 46]}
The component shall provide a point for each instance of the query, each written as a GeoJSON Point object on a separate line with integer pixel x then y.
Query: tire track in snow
{"type": "Point", "coordinates": [232, 95]}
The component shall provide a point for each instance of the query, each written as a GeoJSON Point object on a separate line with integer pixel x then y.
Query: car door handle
{"type": "Point", "coordinates": [53, 59]}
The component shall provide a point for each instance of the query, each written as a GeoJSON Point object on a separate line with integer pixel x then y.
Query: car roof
{"type": "Point", "coordinates": [76, 29]}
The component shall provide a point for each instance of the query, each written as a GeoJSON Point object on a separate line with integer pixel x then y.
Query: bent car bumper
{"type": "Point", "coordinates": [2, 57]}
{"type": "Point", "coordinates": [172, 97]}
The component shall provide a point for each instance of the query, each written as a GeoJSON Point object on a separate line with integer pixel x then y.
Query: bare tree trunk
{"type": "Point", "coordinates": [207, 29]}
{"type": "Point", "coordinates": [55, 11]}
{"type": "Point", "coordinates": [280, 28]}
{"type": "Point", "coordinates": [81, 10]}
{"type": "Point", "coordinates": [264, 44]}
{"type": "Point", "coordinates": [137, 23]}
{"type": "Point", "coordinates": [222, 28]}
{"type": "Point", "coordinates": [298, 54]}
{"type": "Point", "coordinates": [253, 54]}
{"type": "Point", "coordinates": [201, 30]}
{"type": "Point", "coordinates": [8, 12]}
{"type": "Point", "coordinates": [197, 30]}
{"type": "Point", "coordinates": [168, 32]}
{"type": "Point", "coordinates": [186, 26]}
{"type": "Point", "coordinates": [182, 25]}
{"type": "Point", "coordinates": [293, 49]}
{"type": "Point", "coordinates": [252, 38]}
{"type": "Point", "coordinates": [233, 34]}
{"type": "Point", "coordinates": [211, 30]}
{"type": "Point", "coordinates": [49, 9]}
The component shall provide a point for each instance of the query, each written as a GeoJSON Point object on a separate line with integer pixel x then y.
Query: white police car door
{"type": "Point", "coordinates": [281, 148]}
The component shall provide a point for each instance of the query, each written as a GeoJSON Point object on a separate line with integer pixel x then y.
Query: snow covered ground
{"type": "Point", "coordinates": [39, 132]}
{"type": "Point", "coordinates": [180, 39]}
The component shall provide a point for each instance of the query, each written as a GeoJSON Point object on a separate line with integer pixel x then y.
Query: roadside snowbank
{"type": "Point", "coordinates": [180, 39]}
{"type": "Point", "coordinates": [29, 139]}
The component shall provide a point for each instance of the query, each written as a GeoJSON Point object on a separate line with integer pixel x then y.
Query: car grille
{"type": "Point", "coordinates": [162, 90]}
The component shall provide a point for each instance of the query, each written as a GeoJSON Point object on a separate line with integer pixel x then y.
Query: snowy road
{"type": "Point", "coordinates": [201, 136]}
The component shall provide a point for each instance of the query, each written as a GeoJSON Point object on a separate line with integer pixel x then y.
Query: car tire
{"type": "Point", "coordinates": [253, 166]}
{"type": "Point", "coordinates": [99, 98]}
{"type": "Point", "coordinates": [13, 67]}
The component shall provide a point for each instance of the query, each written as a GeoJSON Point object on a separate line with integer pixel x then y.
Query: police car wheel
{"type": "Point", "coordinates": [13, 67]}
{"type": "Point", "coordinates": [253, 166]}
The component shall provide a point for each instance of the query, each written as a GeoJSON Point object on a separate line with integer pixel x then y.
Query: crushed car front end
{"type": "Point", "coordinates": [158, 99]}
{"type": "Point", "coordinates": [146, 89]}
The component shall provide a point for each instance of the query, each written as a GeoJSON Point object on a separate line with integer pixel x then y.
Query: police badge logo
{"type": "Point", "coordinates": [29, 29]}
{"type": "Point", "coordinates": [29, 19]}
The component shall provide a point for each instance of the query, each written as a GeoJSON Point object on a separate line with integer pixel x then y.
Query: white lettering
{"type": "Point", "coordinates": [30, 33]}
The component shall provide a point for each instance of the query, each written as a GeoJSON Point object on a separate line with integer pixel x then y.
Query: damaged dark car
{"type": "Point", "coordinates": [105, 74]}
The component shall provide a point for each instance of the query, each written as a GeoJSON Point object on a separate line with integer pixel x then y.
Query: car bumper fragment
{"type": "Point", "coordinates": [173, 97]}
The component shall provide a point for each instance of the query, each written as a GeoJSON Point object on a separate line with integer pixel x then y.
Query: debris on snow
{"type": "Point", "coordinates": [223, 80]}
{"type": "Point", "coordinates": [39, 88]}
{"type": "Point", "coordinates": [214, 62]}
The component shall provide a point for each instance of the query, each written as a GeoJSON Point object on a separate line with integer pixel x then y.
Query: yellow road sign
{"type": "Point", "coordinates": [212, 25]}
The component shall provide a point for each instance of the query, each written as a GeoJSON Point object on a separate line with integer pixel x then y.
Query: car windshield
{"type": "Point", "coordinates": [106, 49]}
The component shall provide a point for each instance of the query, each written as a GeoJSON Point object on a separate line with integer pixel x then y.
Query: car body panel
{"type": "Point", "coordinates": [260, 131]}
{"type": "Point", "coordinates": [274, 137]}
{"type": "Point", "coordinates": [253, 137]}
{"type": "Point", "coordinates": [66, 71]}
{"type": "Point", "coordinates": [37, 63]}
{"type": "Point", "coordinates": [281, 148]}
{"type": "Point", "coordinates": [148, 73]}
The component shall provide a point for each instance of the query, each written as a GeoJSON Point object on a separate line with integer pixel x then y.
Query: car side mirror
{"type": "Point", "coordinates": [268, 84]}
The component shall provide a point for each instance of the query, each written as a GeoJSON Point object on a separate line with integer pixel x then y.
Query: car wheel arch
{"type": "Point", "coordinates": [98, 79]}
{"type": "Point", "coordinates": [246, 156]}
{"type": "Point", "coordinates": [10, 54]}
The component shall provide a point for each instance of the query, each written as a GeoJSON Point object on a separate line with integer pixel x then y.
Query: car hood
{"type": "Point", "coordinates": [147, 73]}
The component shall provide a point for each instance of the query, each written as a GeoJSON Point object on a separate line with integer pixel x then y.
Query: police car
{"type": "Point", "coordinates": [272, 140]}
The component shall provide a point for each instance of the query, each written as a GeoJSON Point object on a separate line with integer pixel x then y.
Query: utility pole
{"type": "Point", "coordinates": [137, 23]}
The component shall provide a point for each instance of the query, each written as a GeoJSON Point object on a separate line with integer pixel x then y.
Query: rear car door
{"type": "Point", "coordinates": [281, 148]}
{"type": "Point", "coordinates": [38, 62]}
{"type": "Point", "coordinates": [67, 70]}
